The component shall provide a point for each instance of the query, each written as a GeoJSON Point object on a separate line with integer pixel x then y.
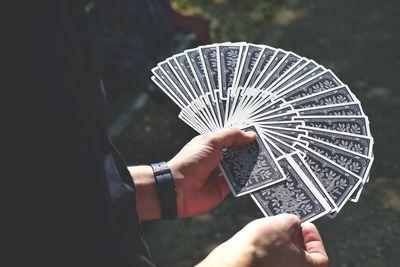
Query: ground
{"type": "Point", "coordinates": [359, 41]}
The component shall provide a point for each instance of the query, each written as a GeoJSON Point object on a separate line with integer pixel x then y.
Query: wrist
{"type": "Point", "coordinates": [147, 201]}
{"type": "Point", "coordinates": [176, 172]}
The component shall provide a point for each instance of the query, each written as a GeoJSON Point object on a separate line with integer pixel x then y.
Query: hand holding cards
{"type": "Point", "coordinates": [313, 150]}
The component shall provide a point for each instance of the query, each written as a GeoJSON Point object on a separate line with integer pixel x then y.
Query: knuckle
{"type": "Point", "coordinates": [217, 143]}
{"type": "Point", "coordinates": [236, 131]}
{"type": "Point", "coordinates": [288, 223]}
{"type": "Point", "coordinates": [202, 138]}
{"type": "Point", "coordinates": [292, 221]}
{"type": "Point", "coordinates": [209, 138]}
{"type": "Point", "coordinates": [213, 139]}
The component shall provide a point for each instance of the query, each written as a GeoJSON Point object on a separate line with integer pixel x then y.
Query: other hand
{"type": "Point", "coordinates": [271, 242]}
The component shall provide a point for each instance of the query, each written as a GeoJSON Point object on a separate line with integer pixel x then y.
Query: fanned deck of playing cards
{"type": "Point", "coordinates": [313, 150]}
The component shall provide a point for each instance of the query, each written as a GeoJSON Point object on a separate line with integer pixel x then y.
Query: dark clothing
{"type": "Point", "coordinates": [73, 200]}
{"type": "Point", "coordinates": [131, 34]}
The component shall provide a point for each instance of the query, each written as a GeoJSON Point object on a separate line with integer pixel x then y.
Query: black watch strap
{"type": "Point", "coordinates": [166, 189]}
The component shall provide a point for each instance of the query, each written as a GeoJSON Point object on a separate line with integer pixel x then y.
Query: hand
{"type": "Point", "coordinates": [200, 185]}
{"type": "Point", "coordinates": [271, 242]}
{"type": "Point", "coordinates": [199, 182]}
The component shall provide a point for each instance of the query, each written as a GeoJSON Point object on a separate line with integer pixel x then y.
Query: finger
{"type": "Point", "coordinates": [289, 223]}
{"type": "Point", "coordinates": [312, 239]}
{"type": "Point", "coordinates": [230, 137]}
{"type": "Point", "coordinates": [315, 250]}
{"type": "Point", "coordinates": [285, 224]}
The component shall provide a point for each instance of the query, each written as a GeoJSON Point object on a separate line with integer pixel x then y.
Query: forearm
{"type": "Point", "coordinates": [147, 200]}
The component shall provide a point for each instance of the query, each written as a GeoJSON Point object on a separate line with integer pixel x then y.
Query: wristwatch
{"type": "Point", "coordinates": [166, 190]}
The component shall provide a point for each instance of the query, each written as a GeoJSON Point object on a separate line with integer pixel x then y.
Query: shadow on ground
{"type": "Point", "coordinates": [359, 41]}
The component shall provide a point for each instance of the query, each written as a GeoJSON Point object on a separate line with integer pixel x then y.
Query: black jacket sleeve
{"type": "Point", "coordinates": [70, 200]}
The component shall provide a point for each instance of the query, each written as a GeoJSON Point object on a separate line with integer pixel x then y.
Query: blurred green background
{"type": "Point", "coordinates": [359, 41]}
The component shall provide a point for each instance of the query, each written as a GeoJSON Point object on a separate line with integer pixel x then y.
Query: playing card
{"type": "Point", "coordinates": [285, 138]}
{"type": "Point", "coordinates": [168, 92]}
{"type": "Point", "coordinates": [321, 82]}
{"type": "Point", "coordinates": [209, 59]}
{"type": "Point", "coordinates": [296, 76]}
{"type": "Point", "coordinates": [302, 64]}
{"type": "Point", "coordinates": [276, 150]}
{"type": "Point", "coordinates": [347, 124]}
{"type": "Point", "coordinates": [250, 167]}
{"type": "Point", "coordinates": [305, 168]}
{"type": "Point", "coordinates": [353, 142]}
{"type": "Point", "coordinates": [346, 109]}
{"type": "Point", "coordinates": [164, 79]}
{"type": "Point", "coordinates": [356, 195]}
{"type": "Point", "coordinates": [195, 60]}
{"type": "Point", "coordinates": [339, 183]}
{"type": "Point", "coordinates": [273, 65]}
{"type": "Point", "coordinates": [182, 78]}
{"type": "Point", "coordinates": [338, 95]}
{"type": "Point", "coordinates": [228, 56]}
{"type": "Point", "coordinates": [296, 195]}
{"type": "Point", "coordinates": [267, 108]}
{"type": "Point", "coordinates": [196, 116]}
{"type": "Point", "coordinates": [313, 151]}
{"type": "Point", "coordinates": [185, 67]}
{"type": "Point", "coordinates": [270, 68]}
{"type": "Point", "coordinates": [263, 61]}
{"type": "Point", "coordinates": [283, 124]}
{"type": "Point", "coordinates": [261, 115]}
{"type": "Point", "coordinates": [252, 54]}
{"type": "Point", "coordinates": [273, 93]}
{"type": "Point", "coordinates": [288, 62]}
{"type": "Point", "coordinates": [285, 146]}
{"type": "Point", "coordinates": [295, 133]}
{"type": "Point", "coordinates": [353, 162]}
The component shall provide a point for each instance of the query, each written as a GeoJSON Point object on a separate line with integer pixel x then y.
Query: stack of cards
{"type": "Point", "coordinates": [313, 150]}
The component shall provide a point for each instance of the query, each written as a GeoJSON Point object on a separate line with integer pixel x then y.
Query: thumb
{"type": "Point", "coordinates": [287, 223]}
{"type": "Point", "coordinates": [233, 137]}
{"type": "Point", "coordinates": [315, 252]}
{"type": "Point", "coordinates": [283, 225]}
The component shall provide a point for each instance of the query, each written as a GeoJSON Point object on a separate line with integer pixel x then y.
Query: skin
{"type": "Point", "coordinates": [200, 187]}
{"type": "Point", "coordinates": [271, 242]}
